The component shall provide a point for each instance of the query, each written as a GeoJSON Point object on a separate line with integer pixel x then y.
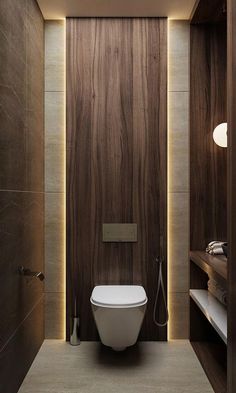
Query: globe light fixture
{"type": "Point", "coordinates": [220, 135]}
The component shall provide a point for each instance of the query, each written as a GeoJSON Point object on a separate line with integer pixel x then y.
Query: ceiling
{"type": "Point", "coordinates": [173, 9]}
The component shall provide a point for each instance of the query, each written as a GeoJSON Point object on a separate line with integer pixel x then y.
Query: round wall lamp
{"type": "Point", "coordinates": [220, 135]}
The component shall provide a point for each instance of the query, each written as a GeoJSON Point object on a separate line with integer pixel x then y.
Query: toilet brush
{"type": "Point", "coordinates": [74, 328]}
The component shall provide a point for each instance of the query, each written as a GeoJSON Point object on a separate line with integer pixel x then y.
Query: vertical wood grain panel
{"type": "Point", "coordinates": [208, 161]}
{"type": "Point", "coordinates": [116, 156]}
{"type": "Point", "coordinates": [208, 173]}
{"type": "Point", "coordinates": [231, 85]}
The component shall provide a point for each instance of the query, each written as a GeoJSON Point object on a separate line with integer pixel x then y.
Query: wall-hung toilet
{"type": "Point", "coordinates": [118, 312]}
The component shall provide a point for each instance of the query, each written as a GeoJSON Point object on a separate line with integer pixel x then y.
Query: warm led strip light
{"type": "Point", "coordinates": [168, 183]}
{"type": "Point", "coordinates": [64, 213]}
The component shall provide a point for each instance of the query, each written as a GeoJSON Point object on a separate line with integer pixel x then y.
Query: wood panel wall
{"type": "Point", "coordinates": [21, 187]}
{"type": "Point", "coordinates": [231, 59]}
{"type": "Point", "coordinates": [208, 180]}
{"type": "Point", "coordinates": [210, 11]}
{"type": "Point", "coordinates": [116, 158]}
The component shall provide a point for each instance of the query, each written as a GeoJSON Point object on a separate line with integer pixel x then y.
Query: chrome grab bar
{"type": "Point", "coordinates": [27, 272]}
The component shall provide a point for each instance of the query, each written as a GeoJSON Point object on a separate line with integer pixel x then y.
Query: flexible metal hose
{"type": "Point", "coordinates": [160, 288]}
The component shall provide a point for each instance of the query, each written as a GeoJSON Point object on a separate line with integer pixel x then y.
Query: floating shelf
{"type": "Point", "coordinates": [213, 310]}
{"type": "Point", "coordinates": [210, 263]}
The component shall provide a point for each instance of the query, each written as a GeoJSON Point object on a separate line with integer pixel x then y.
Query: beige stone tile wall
{"type": "Point", "coordinates": [54, 178]}
{"type": "Point", "coordinates": [178, 179]}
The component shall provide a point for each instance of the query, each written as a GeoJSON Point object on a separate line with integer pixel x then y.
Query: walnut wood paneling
{"type": "Point", "coordinates": [210, 11]}
{"type": "Point", "coordinates": [231, 85]}
{"type": "Point", "coordinates": [116, 157]}
{"type": "Point", "coordinates": [208, 195]}
{"type": "Point", "coordinates": [218, 374]}
{"type": "Point", "coordinates": [208, 180]}
{"type": "Point", "coordinates": [21, 187]}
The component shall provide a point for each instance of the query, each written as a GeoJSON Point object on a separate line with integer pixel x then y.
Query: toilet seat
{"type": "Point", "coordinates": [118, 296]}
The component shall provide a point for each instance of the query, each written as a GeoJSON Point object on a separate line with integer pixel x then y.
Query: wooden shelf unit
{"type": "Point", "coordinates": [212, 178]}
{"type": "Point", "coordinates": [208, 318]}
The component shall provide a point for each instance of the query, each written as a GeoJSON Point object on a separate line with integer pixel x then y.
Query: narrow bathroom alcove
{"type": "Point", "coordinates": [113, 184]}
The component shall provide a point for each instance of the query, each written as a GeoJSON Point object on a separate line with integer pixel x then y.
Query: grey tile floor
{"type": "Point", "coordinates": [150, 367]}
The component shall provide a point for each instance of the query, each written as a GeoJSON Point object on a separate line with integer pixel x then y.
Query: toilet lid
{"type": "Point", "coordinates": [119, 295]}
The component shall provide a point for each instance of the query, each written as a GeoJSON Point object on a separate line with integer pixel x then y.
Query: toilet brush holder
{"type": "Point", "coordinates": [74, 331]}
{"type": "Point", "coordinates": [75, 327]}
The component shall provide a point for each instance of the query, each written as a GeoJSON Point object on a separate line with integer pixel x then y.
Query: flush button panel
{"type": "Point", "coordinates": [119, 232]}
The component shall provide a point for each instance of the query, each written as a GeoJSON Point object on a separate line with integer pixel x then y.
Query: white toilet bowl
{"type": "Point", "coordinates": [118, 312]}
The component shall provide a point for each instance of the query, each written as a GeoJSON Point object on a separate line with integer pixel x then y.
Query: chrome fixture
{"type": "Point", "coordinates": [160, 287]}
{"type": "Point", "coordinates": [160, 290]}
{"type": "Point", "coordinates": [27, 272]}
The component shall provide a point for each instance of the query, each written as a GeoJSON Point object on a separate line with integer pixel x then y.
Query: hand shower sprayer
{"type": "Point", "coordinates": [160, 288]}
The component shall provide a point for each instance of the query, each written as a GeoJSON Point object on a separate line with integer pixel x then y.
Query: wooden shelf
{"type": "Point", "coordinates": [215, 265]}
{"type": "Point", "coordinates": [208, 317]}
{"type": "Point", "coordinates": [213, 310]}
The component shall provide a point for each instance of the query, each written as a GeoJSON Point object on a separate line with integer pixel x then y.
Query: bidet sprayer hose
{"type": "Point", "coordinates": [160, 288]}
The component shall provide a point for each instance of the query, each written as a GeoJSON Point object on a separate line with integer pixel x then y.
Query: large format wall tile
{"type": "Point", "coordinates": [54, 315]}
{"type": "Point", "coordinates": [21, 97]}
{"type": "Point", "coordinates": [54, 56]}
{"type": "Point", "coordinates": [54, 142]}
{"type": "Point", "coordinates": [54, 117]}
{"type": "Point", "coordinates": [54, 173]}
{"type": "Point", "coordinates": [54, 242]}
{"type": "Point", "coordinates": [179, 242]}
{"type": "Point", "coordinates": [179, 33]}
{"type": "Point", "coordinates": [18, 354]}
{"type": "Point", "coordinates": [178, 184]}
{"type": "Point", "coordinates": [179, 316]}
{"type": "Point", "coordinates": [178, 144]}
{"type": "Point", "coordinates": [21, 243]}
{"type": "Point", "coordinates": [21, 187]}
